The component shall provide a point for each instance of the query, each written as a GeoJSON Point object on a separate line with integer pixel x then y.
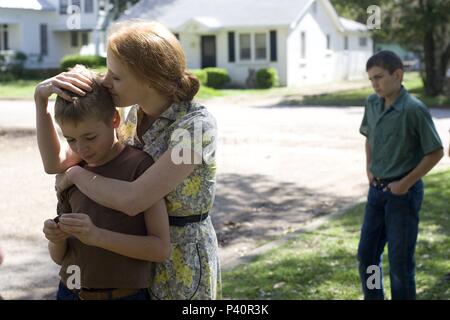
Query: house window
{"type": "Point", "coordinates": [74, 38]}
{"type": "Point", "coordinates": [4, 42]}
{"type": "Point", "coordinates": [363, 42]}
{"type": "Point", "coordinates": [245, 46]}
{"type": "Point", "coordinates": [345, 43]}
{"type": "Point", "coordinates": [84, 38]}
{"type": "Point", "coordinates": [231, 49]}
{"type": "Point", "coordinates": [76, 3]}
{"type": "Point", "coordinates": [63, 4]}
{"type": "Point", "coordinates": [328, 42]}
{"type": "Point", "coordinates": [43, 37]}
{"type": "Point", "coordinates": [88, 6]}
{"type": "Point", "coordinates": [303, 45]}
{"type": "Point", "coordinates": [260, 46]}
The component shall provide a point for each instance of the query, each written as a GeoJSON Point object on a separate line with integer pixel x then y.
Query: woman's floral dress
{"type": "Point", "coordinates": [193, 270]}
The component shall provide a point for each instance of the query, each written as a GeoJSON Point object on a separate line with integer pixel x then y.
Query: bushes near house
{"type": "Point", "coordinates": [266, 78]}
{"type": "Point", "coordinates": [216, 78]}
{"type": "Point", "coordinates": [89, 61]}
{"type": "Point", "coordinates": [201, 75]}
{"type": "Point", "coordinates": [12, 64]}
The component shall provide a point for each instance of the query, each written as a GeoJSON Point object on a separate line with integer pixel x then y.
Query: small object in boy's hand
{"type": "Point", "coordinates": [56, 219]}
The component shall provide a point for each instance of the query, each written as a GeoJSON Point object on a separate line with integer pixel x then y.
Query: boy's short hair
{"type": "Point", "coordinates": [385, 59]}
{"type": "Point", "coordinates": [96, 104]}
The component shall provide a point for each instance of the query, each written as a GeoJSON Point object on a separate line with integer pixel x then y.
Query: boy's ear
{"type": "Point", "coordinates": [116, 119]}
{"type": "Point", "coordinates": [399, 74]}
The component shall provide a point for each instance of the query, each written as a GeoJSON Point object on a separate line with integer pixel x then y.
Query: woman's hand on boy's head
{"type": "Point", "coordinates": [69, 81]}
{"type": "Point", "coordinates": [80, 226]}
{"type": "Point", "coordinates": [53, 233]}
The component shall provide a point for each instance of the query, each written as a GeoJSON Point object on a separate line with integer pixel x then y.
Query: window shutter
{"type": "Point", "coordinates": [273, 45]}
{"type": "Point", "coordinates": [231, 49]}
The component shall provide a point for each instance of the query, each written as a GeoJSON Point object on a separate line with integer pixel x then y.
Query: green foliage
{"type": "Point", "coordinates": [12, 65]}
{"type": "Point", "coordinates": [201, 75]}
{"type": "Point", "coordinates": [89, 61]}
{"type": "Point", "coordinates": [216, 78]}
{"type": "Point", "coordinates": [266, 78]}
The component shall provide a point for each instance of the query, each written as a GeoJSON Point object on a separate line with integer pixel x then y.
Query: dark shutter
{"type": "Point", "coordinates": [273, 45]}
{"type": "Point", "coordinates": [231, 50]}
{"type": "Point", "coordinates": [43, 39]}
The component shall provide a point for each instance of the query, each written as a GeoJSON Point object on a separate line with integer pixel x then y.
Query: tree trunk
{"type": "Point", "coordinates": [431, 75]}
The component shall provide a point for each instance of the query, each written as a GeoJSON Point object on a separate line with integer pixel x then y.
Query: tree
{"type": "Point", "coordinates": [422, 26]}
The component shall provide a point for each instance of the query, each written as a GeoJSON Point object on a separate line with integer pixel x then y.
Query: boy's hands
{"type": "Point", "coordinates": [398, 188]}
{"type": "Point", "coordinates": [71, 81]}
{"type": "Point", "coordinates": [53, 233]}
{"type": "Point", "coordinates": [80, 226]}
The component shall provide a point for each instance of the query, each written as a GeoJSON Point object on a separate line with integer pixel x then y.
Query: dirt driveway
{"type": "Point", "coordinates": [278, 167]}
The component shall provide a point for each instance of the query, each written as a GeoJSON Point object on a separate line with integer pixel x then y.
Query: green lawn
{"type": "Point", "coordinates": [412, 82]}
{"type": "Point", "coordinates": [24, 89]}
{"type": "Point", "coordinates": [322, 264]}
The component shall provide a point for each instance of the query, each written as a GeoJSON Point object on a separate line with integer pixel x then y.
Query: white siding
{"type": "Point", "coordinates": [24, 34]}
{"type": "Point", "coordinates": [322, 65]}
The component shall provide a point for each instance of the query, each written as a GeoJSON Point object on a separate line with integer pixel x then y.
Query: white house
{"type": "Point", "coordinates": [47, 30]}
{"type": "Point", "coordinates": [305, 40]}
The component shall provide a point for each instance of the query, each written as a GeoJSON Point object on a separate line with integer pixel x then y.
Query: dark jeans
{"type": "Point", "coordinates": [393, 220]}
{"type": "Point", "coordinates": [65, 294]}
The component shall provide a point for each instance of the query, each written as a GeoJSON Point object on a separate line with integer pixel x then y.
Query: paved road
{"type": "Point", "coordinates": [279, 166]}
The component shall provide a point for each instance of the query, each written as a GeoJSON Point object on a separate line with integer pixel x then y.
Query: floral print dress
{"type": "Point", "coordinates": [193, 270]}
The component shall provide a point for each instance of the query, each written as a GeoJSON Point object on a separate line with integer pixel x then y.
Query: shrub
{"type": "Point", "coordinates": [89, 61]}
{"type": "Point", "coordinates": [12, 64]}
{"type": "Point", "coordinates": [266, 78]}
{"type": "Point", "coordinates": [201, 75]}
{"type": "Point", "coordinates": [216, 78]}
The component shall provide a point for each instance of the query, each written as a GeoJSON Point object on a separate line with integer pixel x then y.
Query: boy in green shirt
{"type": "Point", "coordinates": [402, 145]}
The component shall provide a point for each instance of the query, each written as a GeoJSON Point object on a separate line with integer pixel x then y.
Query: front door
{"type": "Point", "coordinates": [208, 51]}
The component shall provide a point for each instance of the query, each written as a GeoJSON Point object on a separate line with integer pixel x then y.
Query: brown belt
{"type": "Point", "coordinates": [105, 294]}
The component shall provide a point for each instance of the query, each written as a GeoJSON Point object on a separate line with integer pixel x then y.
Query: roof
{"type": "Point", "coordinates": [352, 26]}
{"type": "Point", "coordinates": [41, 5]}
{"type": "Point", "coordinates": [223, 13]}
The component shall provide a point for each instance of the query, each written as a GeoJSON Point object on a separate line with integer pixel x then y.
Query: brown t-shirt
{"type": "Point", "coordinates": [102, 268]}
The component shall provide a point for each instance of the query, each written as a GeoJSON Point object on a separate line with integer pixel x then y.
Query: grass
{"type": "Point", "coordinates": [24, 89]}
{"type": "Point", "coordinates": [412, 83]}
{"type": "Point", "coordinates": [322, 264]}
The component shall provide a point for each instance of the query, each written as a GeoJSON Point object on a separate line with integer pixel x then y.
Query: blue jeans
{"type": "Point", "coordinates": [393, 220]}
{"type": "Point", "coordinates": [65, 294]}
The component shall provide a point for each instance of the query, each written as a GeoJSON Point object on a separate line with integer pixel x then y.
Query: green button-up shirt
{"type": "Point", "coordinates": [400, 136]}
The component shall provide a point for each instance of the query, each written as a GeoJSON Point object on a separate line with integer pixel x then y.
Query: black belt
{"type": "Point", "coordinates": [182, 221]}
{"type": "Point", "coordinates": [382, 183]}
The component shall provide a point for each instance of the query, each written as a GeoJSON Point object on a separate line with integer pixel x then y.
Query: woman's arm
{"type": "Point", "coordinates": [136, 196]}
{"type": "Point", "coordinates": [55, 158]}
{"type": "Point", "coordinates": [153, 247]}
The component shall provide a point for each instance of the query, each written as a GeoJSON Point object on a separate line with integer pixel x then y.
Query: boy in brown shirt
{"type": "Point", "coordinates": [110, 251]}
